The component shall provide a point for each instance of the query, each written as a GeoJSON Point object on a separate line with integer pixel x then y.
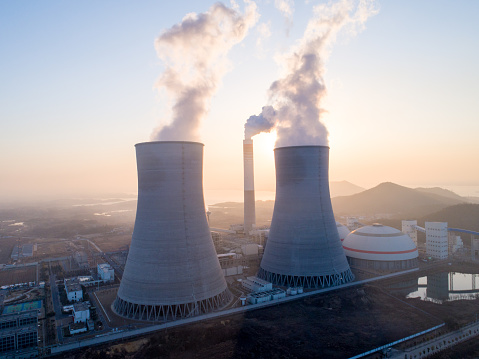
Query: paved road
{"type": "Point", "coordinates": [57, 307]}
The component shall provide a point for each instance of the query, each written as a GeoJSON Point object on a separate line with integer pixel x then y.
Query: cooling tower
{"type": "Point", "coordinates": [303, 248]}
{"type": "Point", "coordinates": [172, 270]}
{"type": "Point", "coordinates": [249, 204]}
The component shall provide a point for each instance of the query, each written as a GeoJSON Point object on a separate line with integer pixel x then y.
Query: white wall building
{"type": "Point", "coordinates": [436, 240]}
{"type": "Point", "coordinates": [352, 223]}
{"type": "Point", "coordinates": [409, 228]}
{"type": "Point", "coordinates": [105, 272]}
{"type": "Point", "coordinates": [256, 284]}
{"type": "Point", "coordinates": [73, 289]}
{"type": "Point", "coordinates": [250, 249]}
{"type": "Point", "coordinates": [81, 313]}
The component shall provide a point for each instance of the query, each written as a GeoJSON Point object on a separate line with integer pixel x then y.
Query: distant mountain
{"type": "Point", "coordinates": [473, 199]}
{"type": "Point", "coordinates": [442, 192]}
{"type": "Point", "coordinates": [463, 216]}
{"type": "Point", "coordinates": [389, 199]}
{"type": "Point", "coordinates": [343, 188]}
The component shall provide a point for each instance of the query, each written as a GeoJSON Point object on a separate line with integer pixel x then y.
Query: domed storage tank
{"type": "Point", "coordinates": [172, 270]}
{"type": "Point", "coordinates": [380, 248]}
{"type": "Point", "coordinates": [303, 249]}
{"type": "Point", "coordinates": [343, 231]}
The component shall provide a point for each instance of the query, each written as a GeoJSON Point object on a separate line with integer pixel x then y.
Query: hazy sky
{"type": "Point", "coordinates": [77, 91]}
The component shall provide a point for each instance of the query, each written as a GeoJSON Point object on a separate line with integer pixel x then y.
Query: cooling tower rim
{"type": "Point", "coordinates": [301, 146]}
{"type": "Point", "coordinates": [168, 142]}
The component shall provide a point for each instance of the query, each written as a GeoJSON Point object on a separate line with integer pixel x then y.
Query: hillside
{"type": "Point", "coordinates": [389, 199]}
{"type": "Point", "coordinates": [441, 192]}
{"type": "Point", "coordinates": [463, 216]}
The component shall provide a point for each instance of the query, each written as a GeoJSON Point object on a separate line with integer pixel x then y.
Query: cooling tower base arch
{"type": "Point", "coordinates": [155, 313]}
{"type": "Point", "coordinates": [323, 281]}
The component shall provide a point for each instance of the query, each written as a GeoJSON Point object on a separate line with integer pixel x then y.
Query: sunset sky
{"type": "Point", "coordinates": [77, 92]}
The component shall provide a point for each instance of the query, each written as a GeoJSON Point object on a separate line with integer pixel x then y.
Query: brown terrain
{"type": "Point", "coordinates": [17, 275]}
{"type": "Point", "coordinates": [335, 325]}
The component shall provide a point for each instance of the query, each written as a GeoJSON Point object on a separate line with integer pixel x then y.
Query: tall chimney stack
{"type": "Point", "coordinates": [249, 201]}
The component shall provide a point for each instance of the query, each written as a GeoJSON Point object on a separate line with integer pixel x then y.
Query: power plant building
{"type": "Point", "coordinates": [19, 334]}
{"type": "Point", "coordinates": [303, 249]}
{"type": "Point", "coordinates": [409, 228]}
{"type": "Point", "coordinates": [73, 289]}
{"type": "Point", "coordinates": [172, 270]}
{"type": "Point", "coordinates": [380, 248]}
{"type": "Point", "coordinates": [105, 272]}
{"type": "Point", "coordinates": [256, 284]}
{"type": "Point", "coordinates": [437, 240]}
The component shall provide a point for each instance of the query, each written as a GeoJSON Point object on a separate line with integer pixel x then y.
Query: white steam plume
{"type": "Point", "coordinates": [297, 96]}
{"type": "Point", "coordinates": [264, 122]}
{"type": "Point", "coordinates": [194, 53]}
{"type": "Point", "coordinates": [286, 7]}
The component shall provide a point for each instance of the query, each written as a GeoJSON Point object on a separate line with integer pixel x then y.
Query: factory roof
{"type": "Point", "coordinates": [381, 243]}
{"type": "Point", "coordinates": [72, 285]}
{"type": "Point", "coordinates": [80, 307]}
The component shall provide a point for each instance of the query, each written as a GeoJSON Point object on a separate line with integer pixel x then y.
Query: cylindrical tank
{"type": "Point", "coordinates": [249, 200]}
{"type": "Point", "coordinates": [304, 249]}
{"type": "Point", "coordinates": [172, 270]}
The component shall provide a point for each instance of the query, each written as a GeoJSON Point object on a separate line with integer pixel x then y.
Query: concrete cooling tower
{"type": "Point", "coordinates": [303, 248]}
{"type": "Point", "coordinates": [172, 270]}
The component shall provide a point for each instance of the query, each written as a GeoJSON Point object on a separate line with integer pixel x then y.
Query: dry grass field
{"type": "Point", "coordinates": [17, 275]}
{"type": "Point", "coordinates": [112, 242]}
{"type": "Point", "coordinates": [6, 247]}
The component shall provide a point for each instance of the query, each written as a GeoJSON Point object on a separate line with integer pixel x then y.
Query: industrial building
{"type": "Point", "coordinates": [105, 272]}
{"type": "Point", "coordinates": [261, 297]}
{"type": "Point", "coordinates": [441, 241]}
{"type": "Point", "coordinates": [172, 270]}
{"type": "Point", "coordinates": [303, 247]}
{"type": "Point", "coordinates": [81, 312]}
{"type": "Point", "coordinates": [256, 284]}
{"type": "Point", "coordinates": [18, 334]}
{"type": "Point", "coordinates": [73, 289]}
{"type": "Point", "coordinates": [409, 227]}
{"type": "Point", "coordinates": [437, 240]}
{"type": "Point", "coordinates": [380, 248]}
{"type": "Point", "coordinates": [249, 198]}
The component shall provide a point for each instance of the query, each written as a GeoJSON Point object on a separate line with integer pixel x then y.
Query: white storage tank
{"type": "Point", "coordinates": [380, 248]}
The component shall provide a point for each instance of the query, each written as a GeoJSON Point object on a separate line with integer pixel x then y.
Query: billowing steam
{"type": "Point", "coordinates": [295, 99]}
{"type": "Point", "coordinates": [194, 53]}
{"type": "Point", "coordinates": [264, 122]}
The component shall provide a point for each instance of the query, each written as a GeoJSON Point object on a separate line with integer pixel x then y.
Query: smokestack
{"type": "Point", "coordinates": [249, 201]}
{"type": "Point", "coordinates": [172, 270]}
{"type": "Point", "coordinates": [303, 248]}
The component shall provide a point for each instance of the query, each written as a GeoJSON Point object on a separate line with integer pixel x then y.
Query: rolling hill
{"type": "Point", "coordinates": [392, 200]}
{"type": "Point", "coordinates": [463, 216]}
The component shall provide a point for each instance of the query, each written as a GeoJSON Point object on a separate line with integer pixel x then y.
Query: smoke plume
{"type": "Point", "coordinates": [264, 122]}
{"type": "Point", "coordinates": [296, 97]}
{"type": "Point", "coordinates": [194, 54]}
